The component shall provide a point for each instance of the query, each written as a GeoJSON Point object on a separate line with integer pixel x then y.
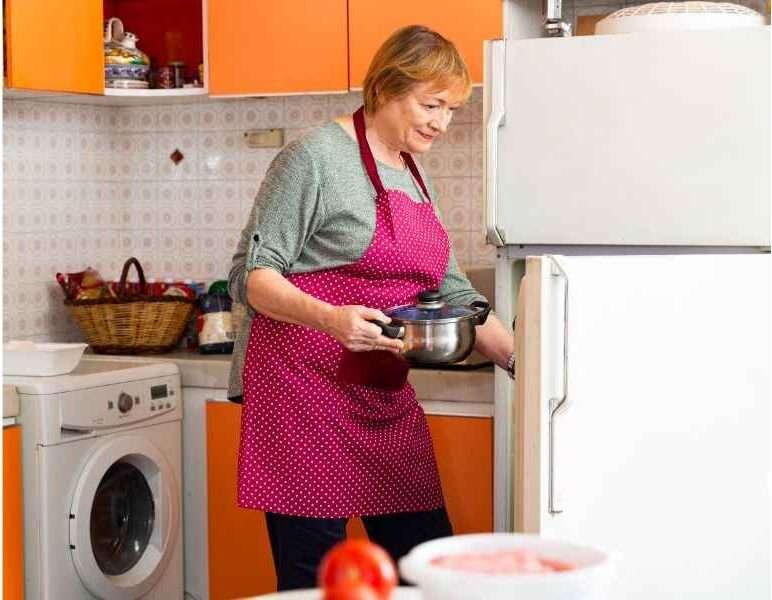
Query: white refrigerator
{"type": "Point", "coordinates": [628, 190]}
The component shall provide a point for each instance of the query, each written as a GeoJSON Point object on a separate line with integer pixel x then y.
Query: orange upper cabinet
{"type": "Point", "coordinates": [54, 45]}
{"type": "Point", "coordinates": [277, 47]}
{"type": "Point", "coordinates": [465, 22]}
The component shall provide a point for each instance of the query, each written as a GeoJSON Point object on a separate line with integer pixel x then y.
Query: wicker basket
{"type": "Point", "coordinates": [132, 324]}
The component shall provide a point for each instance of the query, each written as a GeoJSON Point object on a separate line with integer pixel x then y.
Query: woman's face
{"type": "Point", "coordinates": [413, 122]}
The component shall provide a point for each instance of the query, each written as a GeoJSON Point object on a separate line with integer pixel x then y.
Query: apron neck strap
{"type": "Point", "coordinates": [408, 158]}
{"type": "Point", "coordinates": [369, 160]}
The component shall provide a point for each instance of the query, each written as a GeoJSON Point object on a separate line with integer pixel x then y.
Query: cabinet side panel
{"type": "Point", "coordinates": [240, 562]}
{"type": "Point", "coordinates": [464, 451]}
{"type": "Point", "coordinates": [13, 543]}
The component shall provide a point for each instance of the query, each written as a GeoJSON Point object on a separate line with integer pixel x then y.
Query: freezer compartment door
{"type": "Point", "coordinates": [657, 138]}
{"type": "Point", "coordinates": [660, 451]}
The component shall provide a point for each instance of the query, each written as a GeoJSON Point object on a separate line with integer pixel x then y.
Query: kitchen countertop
{"type": "Point", "coordinates": [211, 371]}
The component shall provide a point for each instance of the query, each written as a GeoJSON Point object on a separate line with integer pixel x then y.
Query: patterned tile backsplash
{"type": "Point", "coordinates": [93, 185]}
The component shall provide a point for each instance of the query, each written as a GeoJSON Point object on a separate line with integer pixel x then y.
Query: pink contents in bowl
{"type": "Point", "coordinates": [503, 562]}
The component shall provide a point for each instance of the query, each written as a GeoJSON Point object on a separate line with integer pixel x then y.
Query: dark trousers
{"type": "Point", "coordinates": [298, 543]}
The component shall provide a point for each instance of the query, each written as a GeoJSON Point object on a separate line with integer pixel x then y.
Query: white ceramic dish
{"type": "Point", "coordinates": [33, 359]}
{"type": "Point", "coordinates": [587, 582]}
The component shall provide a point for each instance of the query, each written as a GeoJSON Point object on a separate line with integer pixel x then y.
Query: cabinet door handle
{"type": "Point", "coordinates": [557, 402]}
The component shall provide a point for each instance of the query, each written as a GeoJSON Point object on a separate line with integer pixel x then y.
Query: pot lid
{"type": "Point", "coordinates": [429, 307]}
{"type": "Point", "coordinates": [413, 313]}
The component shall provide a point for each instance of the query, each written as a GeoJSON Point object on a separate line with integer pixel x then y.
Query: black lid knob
{"type": "Point", "coordinates": [429, 296]}
{"type": "Point", "coordinates": [430, 300]}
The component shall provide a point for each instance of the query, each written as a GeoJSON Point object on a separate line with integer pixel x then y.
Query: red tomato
{"type": "Point", "coordinates": [361, 562]}
{"type": "Point", "coordinates": [351, 591]}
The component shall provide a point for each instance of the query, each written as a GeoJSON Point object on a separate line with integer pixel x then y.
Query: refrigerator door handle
{"type": "Point", "coordinates": [494, 110]}
{"type": "Point", "coordinates": [556, 403]}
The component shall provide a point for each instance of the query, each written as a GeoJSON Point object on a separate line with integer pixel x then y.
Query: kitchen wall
{"type": "Point", "coordinates": [89, 185]}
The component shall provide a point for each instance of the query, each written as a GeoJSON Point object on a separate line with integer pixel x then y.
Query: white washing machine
{"type": "Point", "coordinates": [102, 473]}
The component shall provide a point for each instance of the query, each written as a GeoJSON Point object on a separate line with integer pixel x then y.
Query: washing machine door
{"type": "Point", "coordinates": [124, 519]}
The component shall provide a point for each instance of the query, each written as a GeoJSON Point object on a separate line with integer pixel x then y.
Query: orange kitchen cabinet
{"type": "Point", "coordinates": [585, 24]}
{"type": "Point", "coordinates": [58, 46]}
{"type": "Point", "coordinates": [465, 22]}
{"type": "Point", "coordinates": [55, 46]}
{"type": "Point", "coordinates": [463, 447]}
{"type": "Point", "coordinates": [240, 562]}
{"type": "Point", "coordinates": [13, 537]}
{"type": "Point", "coordinates": [277, 47]}
{"type": "Point", "coordinates": [464, 450]}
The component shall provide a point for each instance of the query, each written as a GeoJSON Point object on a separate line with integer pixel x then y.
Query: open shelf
{"type": "Point", "coordinates": [114, 97]}
{"type": "Point", "coordinates": [167, 30]}
{"type": "Point", "coordinates": [156, 93]}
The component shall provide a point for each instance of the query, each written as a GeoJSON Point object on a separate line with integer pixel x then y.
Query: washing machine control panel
{"type": "Point", "coordinates": [120, 405]}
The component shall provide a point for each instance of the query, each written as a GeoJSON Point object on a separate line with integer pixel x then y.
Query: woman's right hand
{"type": "Point", "coordinates": [351, 326]}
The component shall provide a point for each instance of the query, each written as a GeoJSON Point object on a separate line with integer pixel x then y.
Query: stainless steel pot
{"type": "Point", "coordinates": [435, 333]}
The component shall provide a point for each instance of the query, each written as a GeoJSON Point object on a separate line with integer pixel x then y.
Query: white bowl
{"type": "Point", "coordinates": [30, 358]}
{"type": "Point", "coordinates": [587, 582]}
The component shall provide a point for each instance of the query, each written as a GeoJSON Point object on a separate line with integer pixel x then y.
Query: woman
{"type": "Point", "coordinates": [343, 226]}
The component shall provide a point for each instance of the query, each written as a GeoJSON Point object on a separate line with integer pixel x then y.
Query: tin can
{"type": "Point", "coordinates": [178, 73]}
{"type": "Point", "coordinates": [165, 78]}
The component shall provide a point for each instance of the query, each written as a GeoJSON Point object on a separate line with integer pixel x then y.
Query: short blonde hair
{"type": "Point", "coordinates": [411, 55]}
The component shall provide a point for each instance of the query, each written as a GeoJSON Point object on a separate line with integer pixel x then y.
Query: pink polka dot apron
{"type": "Point", "coordinates": [313, 444]}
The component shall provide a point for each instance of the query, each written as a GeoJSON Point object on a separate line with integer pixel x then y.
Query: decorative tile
{"type": "Point", "coordinates": [471, 112]}
{"type": "Point", "coordinates": [188, 268]}
{"type": "Point", "coordinates": [126, 120]}
{"type": "Point", "coordinates": [210, 117]}
{"type": "Point", "coordinates": [145, 118]}
{"type": "Point", "coordinates": [274, 112]}
{"type": "Point", "coordinates": [460, 245]}
{"type": "Point", "coordinates": [253, 163]}
{"type": "Point", "coordinates": [166, 120]}
{"type": "Point", "coordinates": [480, 252]}
{"type": "Point", "coordinates": [229, 241]}
{"type": "Point", "coordinates": [316, 109]}
{"type": "Point", "coordinates": [253, 113]}
{"type": "Point", "coordinates": [342, 105]}
{"type": "Point", "coordinates": [187, 143]}
{"type": "Point", "coordinates": [230, 115]}
{"type": "Point", "coordinates": [187, 117]}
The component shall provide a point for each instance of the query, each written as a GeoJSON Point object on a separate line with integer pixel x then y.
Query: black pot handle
{"type": "Point", "coordinates": [483, 309]}
{"type": "Point", "coordinates": [390, 331]}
